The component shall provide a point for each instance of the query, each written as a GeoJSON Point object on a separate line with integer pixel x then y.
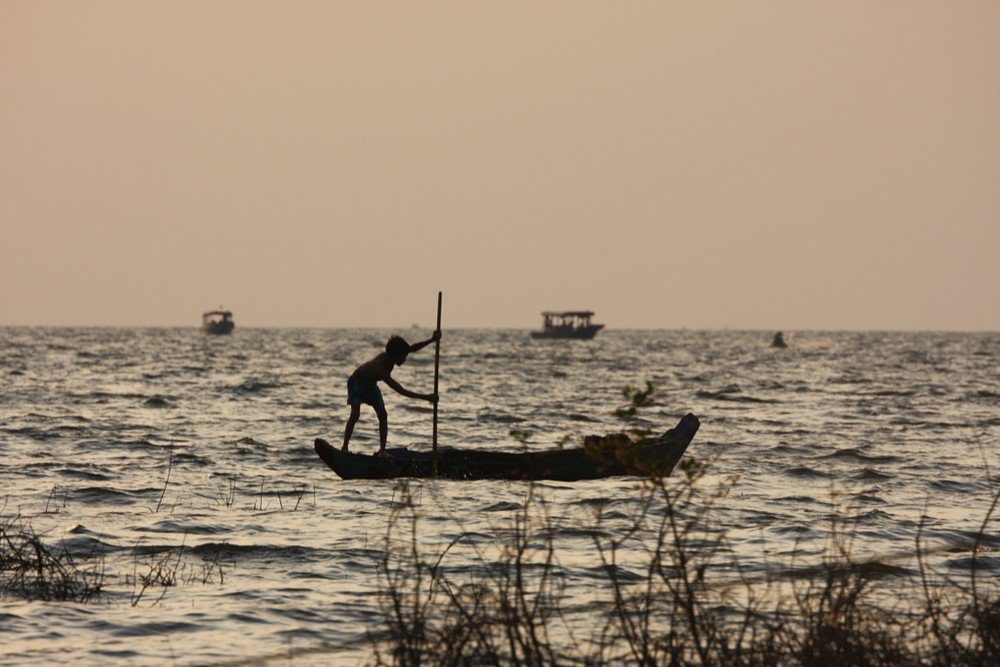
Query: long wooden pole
{"type": "Point", "coordinates": [437, 363]}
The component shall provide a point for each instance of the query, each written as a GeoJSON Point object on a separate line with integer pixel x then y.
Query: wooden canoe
{"type": "Point", "coordinates": [601, 456]}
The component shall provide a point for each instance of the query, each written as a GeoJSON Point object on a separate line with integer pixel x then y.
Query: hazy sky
{"type": "Point", "coordinates": [768, 165]}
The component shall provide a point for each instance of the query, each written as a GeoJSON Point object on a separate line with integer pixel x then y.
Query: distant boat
{"type": "Point", "coordinates": [567, 324]}
{"type": "Point", "coordinates": [217, 322]}
{"type": "Point", "coordinates": [778, 340]}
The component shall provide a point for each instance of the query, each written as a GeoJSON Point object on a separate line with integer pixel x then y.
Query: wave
{"type": "Point", "coordinates": [853, 453]}
{"type": "Point", "coordinates": [170, 526]}
{"type": "Point", "coordinates": [255, 387]}
{"type": "Point", "coordinates": [228, 550]}
{"type": "Point", "coordinates": [83, 543]}
{"type": "Point", "coordinates": [157, 402]}
{"type": "Point", "coordinates": [871, 474]}
{"type": "Point", "coordinates": [802, 471]}
{"type": "Point", "coordinates": [614, 571]}
{"type": "Point", "coordinates": [148, 629]}
{"type": "Point", "coordinates": [732, 395]}
{"type": "Point", "coordinates": [503, 507]}
{"type": "Point", "coordinates": [108, 496]}
{"type": "Point", "coordinates": [498, 418]}
{"type": "Point", "coordinates": [874, 516]}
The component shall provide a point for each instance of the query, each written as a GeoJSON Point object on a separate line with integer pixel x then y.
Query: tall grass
{"type": "Point", "coordinates": [506, 600]}
{"type": "Point", "coordinates": [31, 570]}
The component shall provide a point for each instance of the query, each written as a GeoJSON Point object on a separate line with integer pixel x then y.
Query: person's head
{"type": "Point", "coordinates": [397, 349]}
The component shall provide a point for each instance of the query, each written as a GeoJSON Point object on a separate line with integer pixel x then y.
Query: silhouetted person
{"type": "Point", "coordinates": [779, 340]}
{"type": "Point", "coordinates": [362, 386]}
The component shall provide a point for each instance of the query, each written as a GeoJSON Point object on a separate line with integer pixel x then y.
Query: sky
{"type": "Point", "coordinates": [789, 165]}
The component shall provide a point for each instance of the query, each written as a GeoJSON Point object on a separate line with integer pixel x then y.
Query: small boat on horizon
{"type": "Point", "coordinates": [217, 322]}
{"type": "Point", "coordinates": [567, 324]}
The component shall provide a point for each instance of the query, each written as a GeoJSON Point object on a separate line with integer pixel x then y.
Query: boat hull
{"type": "Point", "coordinates": [580, 333]}
{"type": "Point", "coordinates": [608, 456]}
{"type": "Point", "coordinates": [218, 329]}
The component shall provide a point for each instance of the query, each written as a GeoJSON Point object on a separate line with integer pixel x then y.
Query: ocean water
{"type": "Point", "coordinates": [179, 468]}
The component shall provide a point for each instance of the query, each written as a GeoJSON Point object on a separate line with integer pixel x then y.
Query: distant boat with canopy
{"type": "Point", "coordinates": [567, 324]}
{"type": "Point", "coordinates": [217, 322]}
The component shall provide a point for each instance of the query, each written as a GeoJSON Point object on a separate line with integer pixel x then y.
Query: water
{"type": "Point", "coordinates": [161, 452]}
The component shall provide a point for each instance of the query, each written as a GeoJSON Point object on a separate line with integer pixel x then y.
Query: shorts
{"type": "Point", "coordinates": [363, 392]}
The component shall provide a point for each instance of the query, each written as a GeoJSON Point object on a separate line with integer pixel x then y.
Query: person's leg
{"type": "Point", "coordinates": [383, 426]}
{"type": "Point", "coordinates": [351, 421]}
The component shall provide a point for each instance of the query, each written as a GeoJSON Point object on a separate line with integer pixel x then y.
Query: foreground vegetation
{"type": "Point", "coordinates": [33, 568]}
{"type": "Point", "coordinates": [30, 570]}
{"type": "Point", "coordinates": [514, 607]}
{"type": "Point", "coordinates": [663, 591]}
{"type": "Point", "coordinates": [679, 603]}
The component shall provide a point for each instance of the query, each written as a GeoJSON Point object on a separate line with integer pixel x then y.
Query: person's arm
{"type": "Point", "coordinates": [423, 344]}
{"type": "Point", "coordinates": [411, 394]}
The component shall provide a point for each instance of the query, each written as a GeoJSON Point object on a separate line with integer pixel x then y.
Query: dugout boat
{"type": "Point", "coordinates": [601, 456]}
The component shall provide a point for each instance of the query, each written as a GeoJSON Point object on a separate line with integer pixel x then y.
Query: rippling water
{"type": "Point", "coordinates": [135, 447]}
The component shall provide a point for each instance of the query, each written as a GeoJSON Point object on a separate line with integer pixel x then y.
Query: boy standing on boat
{"type": "Point", "coordinates": [362, 386]}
